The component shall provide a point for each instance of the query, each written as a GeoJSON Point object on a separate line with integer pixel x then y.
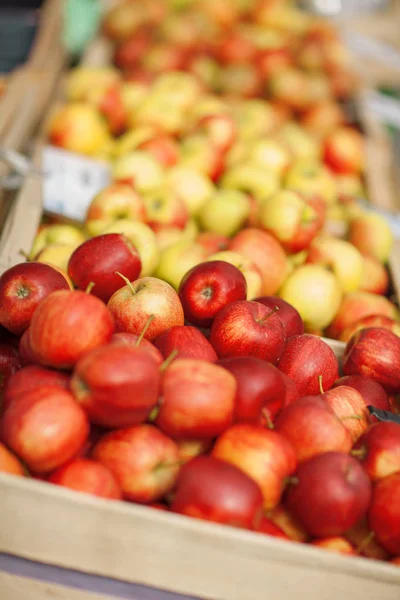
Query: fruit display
{"type": "Point", "coordinates": [171, 350]}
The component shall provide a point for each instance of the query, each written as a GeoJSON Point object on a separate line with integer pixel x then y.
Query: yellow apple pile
{"type": "Point", "coordinates": [224, 126]}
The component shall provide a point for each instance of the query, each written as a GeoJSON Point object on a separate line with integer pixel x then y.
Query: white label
{"type": "Point", "coordinates": [71, 181]}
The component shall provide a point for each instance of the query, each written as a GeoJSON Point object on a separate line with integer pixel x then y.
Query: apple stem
{"type": "Point", "coordinates": [90, 287]}
{"type": "Point", "coordinates": [154, 413]}
{"type": "Point", "coordinates": [291, 481]}
{"type": "Point", "coordinates": [355, 417]}
{"type": "Point", "coordinates": [360, 453]}
{"type": "Point", "coordinates": [169, 360]}
{"type": "Point", "coordinates": [321, 387]}
{"type": "Point", "coordinates": [267, 316]}
{"type": "Point", "coordinates": [145, 328]}
{"type": "Point", "coordinates": [25, 255]}
{"type": "Point", "coordinates": [267, 417]}
{"type": "Point", "coordinates": [367, 540]}
{"type": "Point", "coordinates": [128, 283]}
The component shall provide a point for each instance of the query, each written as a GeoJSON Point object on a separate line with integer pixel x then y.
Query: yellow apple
{"type": "Point", "coordinates": [82, 80]}
{"type": "Point", "coordinates": [116, 201]}
{"type": "Point", "coordinates": [139, 168]}
{"type": "Point", "coordinates": [342, 257]}
{"type": "Point", "coordinates": [133, 94]}
{"type": "Point", "coordinates": [315, 292]}
{"type": "Point", "coordinates": [57, 234]}
{"type": "Point", "coordinates": [165, 208]}
{"type": "Point", "coordinates": [283, 213]}
{"type": "Point", "coordinates": [169, 235]}
{"type": "Point", "coordinates": [143, 238]}
{"type": "Point", "coordinates": [251, 178]}
{"type": "Point", "coordinates": [56, 255]}
{"type": "Point", "coordinates": [131, 140]}
{"type": "Point", "coordinates": [176, 261]}
{"type": "Point", "coordinates": [255, 118]}
{"type": "Point", "coordinates": [193, 187]}
{"type": "Point", "coordinates": [177, 88]}
{"type": "Point", "coordinates": [299, 142]}
{"type": "Point", "coordinates": [311, 179]}
{"type": "Point", "coordinates": [159, 112]}
{"type": "Point", "coordinates": [251, 272]}
{"type": "Point", "coordinates": [225, 212]}
{"type": "Point", "coordinates": [271, 155]}
{"type": "Point", "coordinates": [372, 235]}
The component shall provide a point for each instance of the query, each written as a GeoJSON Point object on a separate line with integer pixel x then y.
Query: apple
{"type": "Point", "coordinates": [264, 455]}
{"type": "Point", "coordinates": [250, 178]}
{"type": "Point", "coordinates": [251, 272]}
{"type": "Point", "coordinates": [291, 392]}
{"type": "Point", "coordinates": [362, 538]}
{"type": "Point", "coordinates": [220, 129]}
{"type": "Point", "coordinates": [163, 148]}
{"type": "Point", "coordinates": [108, 100]}
{"type": "Point", "coordinates": [192, 186]}
{"type": "Point", "coordinates": [177, 260]}
{"type": "Point", "coordinates": [189, 449]}
{"type": "Point", "coordinates": [57, 256]}
{"type": "Point", "coordinates": [290, 317]}
{"type": "Point", "coordinates": [342, 257]}
{"type": "Point", "coordinates": [372, 235]}
{"type": "Point", "coordinates": [116, 385]}
{"type": "Point", "coordinates": [82, 79]}
{"type": "Point", "coordinates": [343, 150]}
{"type": "Point", "coordinates": [88, 477]}
{"type": "Point", "coordinates": [45, 428]}
{"type": "Point", "coordinates": [375, 352]}
{"type": "Point", "coordinates": [335, 544]}
{"type": "Point", "coordinates": [188, 341]}
{"type": "Point", "coordinates": [164, 58]}
{"type": "Point", "coordinates": [139, 169]}
{"type": "Point", "coordinates": [198, 399]}
{"type": "Point", "coordinates": [329, 494]}
{"type": "Point", "coordinates": [99, 260]}
{"type": "Point", "coordinates": [66, 325]}
{"type": "Point", "coordinates": [243, 80]}
{"type": "Point", "coordinates": [225, 212]}
{"type": "Point", "coordinates": [197, 153]}
{"type": "Point", "coordinates": [367, 322]}
{"type": "Point", "coordinates": [78, 127]}
{"type": "Point", "coordinates": [305, 359]}
{"type": "Point", "coordinates": [268, 527]}
{"type": "Point", "coordinates": [266, 253]}
{"type": "Point", "coordinates": [289, 86]}
{"type": "Point", "coordinates": [143, 238]}
{"type": "Point", "coordinates": [311, 179]}
{"type": "Point", "coordinates": [282, 518]}
{"type": "Point", "coordinates": [208, 287]}
{"type": "Point", "coordinates": [165, 208]}
{"type": "Point", "coordinates": [170, 235]}
{"type": "Point", "coordinates": [322, 118]}
{"type": "Point", "coordinates": [384, 516]}
{"type": "Point", "coordinates": [371, 391]}
{"type": "Point", "coordinates": [132, 305]}
{"type": "Point", "coordinates": [260, 391]}
{"type": "Point", "coordinates": [130, 52]}
{"type": "Point", "coordinates": [122, 338]}
{"type": "Point", "coordinates": [26, 354]}
{"type": "Point", "coordinates": [22, 287]}
{"type": "Point", "coordinates": [29, 378]}
{"type": "Point", "coordinates": [379, 450]}
{"type": "Point", "coordinates": [315, 293]}
{"type": "Point", "coordinates": [350, 408]}
{"type": "Point", "coordinates": [312, 428]}
{"type": "Point", "coordinates": [270, 154]}
{"type": "Point", "coordinates": [122, 20]}
{"type": "Point", "coordinates": [245, 328]}
{"type": "Point", "coordinates": [213, 490]}
{"type": "Point", "coordinates": [10, 463]}
{"type": "Point", "coordinates": [293, 220]}
{"type": "Point", "coordinates": [56, 233]}
{"type": "Point", "coordinates": [116, 201]}
{"type": "Point", "coordinates": [375, 278]}
{"type": "Point", "coordinates": [212, 242]}
{"type": "Point", "coordinates": [357, 305]}
{"type": "Point", "coordinates": [144, 461]}
{"type": "Point", "coordinates": [235, 48]}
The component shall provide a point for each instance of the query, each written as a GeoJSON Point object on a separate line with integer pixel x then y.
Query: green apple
{"type": "Point", "coordinates": [225, 212]}
{"type": "Point", "coordinates": [177, 260]}
{"type": "Point", "coordinates": [300, 143]}
{"type": "Point", "coordinates": [177, 88]}
{"type": "Point", "coordinates": [311, 178]}
{"type": "Point", "coordinates": [193, 187]}
{"type": "Point", "coordinates": [143, 238]}
{"type": "Point", "coordinates": [255, 118]}
{"type": "Point", "coordinates": [271, 155]}
{"type": "Point", "coordinates": [252, 179]}
{"type": "Point", "coordinates": [282, 213]}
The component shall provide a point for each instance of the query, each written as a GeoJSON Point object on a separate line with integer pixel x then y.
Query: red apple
{"type": "Point", "coordinates": [66, 325]}
{"type": "Point", "coordinates": [198, 400]}
{"type": "Point", "coordinates": [268, 527]}
{"type": "Point", "coordinates": [116, 385]}
{"type": "Point", "coordinates": [371, 391]}
{"type": "Point", "coordinates": [312, 428]}
{"type": "Point", "coordinates": [375, 278]}
{"type": "Point", "coordinates": [330, 493]}
{"type": "Point", "coordinates": [245, 328]}
{"type": "Point", "coordinates": [26, 354]}
{"type": "Point", "coordinates": [87, 476]}
{"type": "Point", "coordinates": [306, 358]}
{"type": "Point", "coordinates": [31, 377]}
{"type": "Point", "coordinates": [375, 352]}
{"type": "Point", "coordinates": [45, 428]}
{"type": "Point", "coordinates": [292, 393]}
{"type": "Point", "coordinates": [132, 305]}
{"type": "Point", "coordinates": [207, 288]}
{"type": "Point", "coordinates": [384, 513]}
{"type": "Point", "coordinates": [260, 387]}
{"type": "Point", "coordinates": [188, 341]}
{"type": "Point", "coordinates": [368, 322]}
{"type": "Point", "coordinates": [344, 151]}
{"type": "Point", "coordinates": [220, 130]}
{"type": "Point", "coordinates": [350, 408]}
{"type": "Point", "coordinates": [213, 490]}
{"type": "Point", "coordinates": [335, 544]}
{"type": "Point", "coordinates": [144, 461]}
{"type": "Point", "coordinates": [22, 287]}
{"type": "Point", "coordinates": [235, 48]}
{"type": "Point", "coordinates": [10, 363]}
{"type": "Point", "coordinates": [10, 463]}
{"type": "Point", "coordinates": [290, 317]}
{"type": "Point", "coordinates": [164, 149]}
{"type": "Point", "coordinates": [212, 242]}
{"type": "Point", "coordinates": [131, 50]}
{"type": "Point", "coordinates": [99, 260]}
{"type": "Point", "coordinates": [130, 339]}
{"type": "Point", "coordinates": [379, 450]}
{"type": "Point", "coordinates": [265, 455]}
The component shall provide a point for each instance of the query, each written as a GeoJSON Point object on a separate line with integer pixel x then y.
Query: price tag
{"type": "Point", "coordinates": [71, 181]}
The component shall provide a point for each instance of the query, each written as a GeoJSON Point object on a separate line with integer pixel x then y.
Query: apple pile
{"type": "Point", "coordinates": [198, 401]}
{"type": "Point", "coordinates": [223, 124]}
